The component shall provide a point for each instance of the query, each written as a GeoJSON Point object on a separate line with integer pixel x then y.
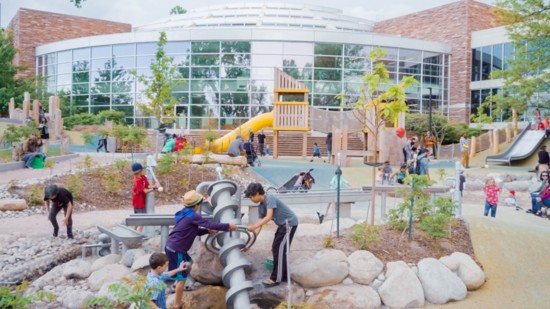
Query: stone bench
{"type": "Point", "coordinates": [11, 166]}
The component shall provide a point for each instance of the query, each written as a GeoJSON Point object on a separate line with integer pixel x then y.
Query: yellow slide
{"type": "Point", "coordinates": [257, 123]}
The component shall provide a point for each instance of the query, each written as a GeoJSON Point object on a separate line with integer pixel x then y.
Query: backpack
{"type": "Point", "coordinates": [417, 165]}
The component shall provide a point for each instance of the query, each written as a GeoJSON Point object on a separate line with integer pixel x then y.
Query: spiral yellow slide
{"type": "Point", "coordinates": [257, 123]}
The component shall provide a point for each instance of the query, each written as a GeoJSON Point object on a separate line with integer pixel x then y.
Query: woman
{"type": "Point", "coordinates": [541, 195]}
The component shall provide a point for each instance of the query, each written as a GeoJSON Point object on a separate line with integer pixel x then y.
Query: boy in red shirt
{"type": "Point", "coordinates": [141, 188]}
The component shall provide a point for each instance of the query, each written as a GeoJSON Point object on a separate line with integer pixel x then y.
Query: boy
{"type": "Point", "coordinates": [386, 173]}
{"type": "Point", "coordinates": [156, 277]}
{"type": "Point", "coordinates": [61, 199]}
{"type": "Point", "coordinates": [271, 208]}
{"type": "Point", "coordinates": [189, 225]}
{"type": "Point", "coordinates": [141, 188]}
{"type": "Point", "coordinates": [316, 152]}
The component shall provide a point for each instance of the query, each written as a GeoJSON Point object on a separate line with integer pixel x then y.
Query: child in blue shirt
{"type": "Point", "coordinates": [156, 277]}
{"type": "Point", "coordinates": [316, 152]}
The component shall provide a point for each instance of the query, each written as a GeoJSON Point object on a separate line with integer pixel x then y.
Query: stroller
{"type": "Point", "coordinates": [251, 155]}
{"type": "Point", "coordinates": [299, 183]}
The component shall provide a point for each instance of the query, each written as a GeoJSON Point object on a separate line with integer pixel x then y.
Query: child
{"type": "Point", "coordinates": [386, 173]}
{"type": "Point", "coordinates": [511, 200]}
{"type": "Point", "coordinates": [491, 192]}
{"type": "Point", "coordinates": [60, 199]}
{"type": "Point", "coordinates": [141, 188]}
{"type": "Point", "coordinates": [316, 152]}
{"type": "Point", "coordinates": [344, 184]}
{"type": "Point", "coordinates": [271, 208]}
{"type": "Point", "coordinates": [189, 225]}
{"type": "Point", "coordinates": [267, 151]}
{"type": "Point", "coordinates": [156, 277]}
{"type": "Point", "coordinates": [401, 175]}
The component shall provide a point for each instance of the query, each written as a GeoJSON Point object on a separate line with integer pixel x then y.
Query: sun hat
{"type": "Point", "coordinates": [192, 198]}
{"type": "Point", "coordinates": [137, 167]}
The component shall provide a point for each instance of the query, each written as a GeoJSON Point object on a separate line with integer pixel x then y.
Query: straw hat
{"type": "Point", "coordinates": [192, 198]}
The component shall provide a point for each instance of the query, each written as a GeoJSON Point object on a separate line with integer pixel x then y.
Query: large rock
{"type": "Point", "coordinates": [519, 186]}
{"type": "Point", "coordinates": [450, 262]}
{"type": "Point", "coordinates": [270, 297]}
{"type": "Point", "coordinates": [77, 269]}
{"type": "Point", "coordinates": [13, 205]}
{"type": "Point", "coordinates": [141, 262]}
{"type": "Point", "coordinates": [111, 272]}
{"type": "Point", "coordinates": [52, 278]}
{"type": "Point", "coordinates": [105, 260]}
{"type": "Point", "coordinates": [207, 297]}
{"type": "Point", "coordinates": [471, 274]}
{"type": "Point", "coordinates": [74, 299]}
{"type": "Point", "coordinates": [131, 255]}
{"type": "Point", "coordinates": [364, 267]}
{"type": "Point", "coordinates": [345, 296]}
{"type": "Point", "coordinates": [207, 268]}
{"type": "Point", "coordinates": [440, 284]}
{"type": "Point", "coordinates": [402, 289]}
{"type": "Point", "coordinates": [104, 291]}
{"type": "Point", "coordinates": [327, 267]}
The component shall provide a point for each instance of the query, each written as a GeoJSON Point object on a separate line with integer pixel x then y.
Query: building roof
{"type": "Point", "coordinates": [262, 15]}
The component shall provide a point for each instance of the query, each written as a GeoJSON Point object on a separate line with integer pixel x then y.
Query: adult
{"type": "Point", "coordinates": [60, 198]}
{"type": "Point", "coordinates": [271, 208]}
{"type": "Point", "coordinates": [407, 150]}
{"type": "Point", "coordinates": [235, 147]}
{"type": "Point", "coordinates": [328, 142]}
{"type": "Point", "coordinates": [31, 150]}
{"type": "Point", "coordinates": [536, 193]}
{"type": "Point", "coordinates": [423, 163]}
{"type": "Point", "coordinates": [465, 150]}
{"type": "Point", "coordinates": [261, 143]}
{"type": "Point", "coordinates": [430, 141]}
{"type": "Point", "coordinates": [169, 145]}
{"type": "Point", "coordinates": [250, 136]}
{"type": "Point", "coordinates": [544, 159]}
{"type": "Point", "coordinates": [102, 142]}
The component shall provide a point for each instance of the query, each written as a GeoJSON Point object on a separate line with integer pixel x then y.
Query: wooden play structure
{"type": "Point", "coordinates": [289, 115]}
{"type": "Point", "coordinates": [32, 112]}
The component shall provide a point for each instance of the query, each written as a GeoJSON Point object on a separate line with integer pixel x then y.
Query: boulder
{"type": "Point", "coordinates": [13, 205]}
{"type": "Point", "coordinates": [473, 185]}
{"type": "Point", "coordinates": [105, 260]}
{"type": "Point", "coordinates": [207, 268]}
{"type": "Point", "coordinates": [471, 274]}
{"type": "Point", "coordinates": [141, 262]}
{"type": "Point", "coordinates": [401, 289]}
{"type": "Point", "coordinates": [519, 186]}
{"type": "Point", "coordinates": [345, 296]}
{"type": "Point", "coordinates": [52, 278]}
{"type": "Point", "coordinates": [104, 291]}
{"type": "Point", "coordinates": [364, 267]}
{"type": "Point", "coordinates": [206, 297]}
{"type": "Point", "coordinates": [327, 267]}
{"type": "Point", "coordinates": [450, 262]}
{"type": "Point", "coordinates": [111, 272]}
{"type": "Point", "coordinates": [440, 284]}
{"type": "Point", "coordinates": [270, 297]}
{"type": "Point", "coordinates": [75, 298]}
{"type": "Point", "coordinates": [130, 256]}
{"type": "Point", "coordinates": [77, 269]}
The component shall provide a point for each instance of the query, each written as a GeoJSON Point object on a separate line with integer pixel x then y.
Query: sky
{"type": "Point", "coordinates": [140, 12]}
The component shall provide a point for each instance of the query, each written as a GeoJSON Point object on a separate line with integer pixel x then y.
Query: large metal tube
{"type": "Point", "coordinates": [225, 200]}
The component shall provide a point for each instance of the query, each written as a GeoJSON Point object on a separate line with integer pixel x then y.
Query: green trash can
{"type": "Point", "coordinates": [38, 162]}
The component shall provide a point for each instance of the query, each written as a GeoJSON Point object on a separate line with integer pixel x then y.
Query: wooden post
{"type": "Point", "coordinates": [515, 121]}
{"type": "Point", "coordinates": [275, 144]}
{"type": "Point", "coordinates": [473, 146]}
{"type": "Point", "coordinates": [12, 109]}
{"type": "Point", "coordinates": [508, 134]}
{"type": "Point", "coordinates": [304, 145]}
{"type": "Point", "coordinates": [495, 141]}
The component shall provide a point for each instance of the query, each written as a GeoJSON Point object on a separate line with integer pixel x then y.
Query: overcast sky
{"type": "Point", "coordinates": [139, 12]}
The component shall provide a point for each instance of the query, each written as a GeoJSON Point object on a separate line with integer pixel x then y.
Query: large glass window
{"type": "Point", "coordinates": [205, 47]}
{"type": "Point", "coordinates": [266, 48]}
{"type": "Point", "coordinates": [328, 49]}
{"type": "Point", "coordinates": [410, 55]}
{"type": "Point", "coordinates": [353, 50]}
{"type": "Point", "coordinates": [81, 54]}
{"type": "Point", "coordinates": [486, 57]}
{"type": "Point", "coordinates": [328, 62]}
{"type": "Point", "coordinates": [497, 57]}
{"type": "Point", "coordinates": [325, 74]}
{"type": "Point", "coordinates": [122, 50]}
{"type": "Point", "coordinates": [476, 64]}
{"type": "Point", "coordinates": [291, 48]}
{"type": "Point", "coordinates": [146, 48]}
{"type": "Point", "coordinates": [102, 52]}
{"type": "Point", "coordinates": [235, 47]}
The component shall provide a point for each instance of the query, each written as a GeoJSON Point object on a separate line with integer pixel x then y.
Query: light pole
{"type": "Point", "coordinates": [430, 112]}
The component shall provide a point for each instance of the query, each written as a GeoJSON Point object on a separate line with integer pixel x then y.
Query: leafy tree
{"type": "Point", "coordinates": [177, 10]}
{"type": "Point", "coordinates": [77, 3]}
{"type": "Point", "coordinates": [14, 133]}
{"type": "Point", "coordinates": [158, 90]}
{"type": "Point", "coordinates": [80, 119]}
{"type": "Point", "coordinates": [528, 73]}
{"type": "Point", "coordinates": [10, 85]}
{"type": "Point", "coordinates": [378, 102]}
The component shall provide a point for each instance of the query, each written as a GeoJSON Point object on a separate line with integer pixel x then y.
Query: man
{"type": "Point", "coordinates": [430, 142]}
{"type": "Point", "coordinates": [407, 150]}
{"type": "Point", "coordinates": [271, 208]}
{"type": "Point", "coordinates": [423, 163]}
{"type": "Point", "coordinates": [31, 150]}
{"type": "Point", "coordinates": [465, 150]}
{"type": "Point", "coordinates": [60, 198]}
{"type": "Point", "coordinates": [261, 143]}
{"type": "Point", "coordinates": [250, 136]}
{"type": "Point", "coordinates": [235, 147]}
{"type": "Point", "coordinates": [544, 159]}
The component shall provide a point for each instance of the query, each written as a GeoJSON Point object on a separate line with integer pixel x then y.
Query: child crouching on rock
{"type": "Point", "coordinates": [491, 192]}
{"type": "Point", "coordinates": [189, 225]}
{"type": "Point", "coordinates": [156, 277]}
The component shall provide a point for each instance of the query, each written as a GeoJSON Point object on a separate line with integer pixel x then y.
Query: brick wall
{"type": "Point", "coordinates": [34, 28]}
{"type": "Point", "coordinates": [452, 23]}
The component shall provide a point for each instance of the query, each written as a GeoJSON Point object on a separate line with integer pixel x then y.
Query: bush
{"type": "Point", "coordinates": [364, 235]}
{"type": "Point", "coordinates": [111, 181]}
{"type": "Point", "coordinates": [74, 184]}
{"type": "Point", "coordinates": [127, 293]}
{"type": "Point", "coordinates": [438, 222]}
{"type": "Point", "coordinates": [80, 119]}
{"type": "Point", "coordinates": [15, 133]}
{"type": "Point", "coordinates": [35, 195]}
{"type": "Point", "coordinates": [16, 299]}
{"type": "Point", "coordinates": [329, 242]}
{"type": "Point", "coordinates": [111, 115]}
{"type": "Point", "coordinates": [166, 164]}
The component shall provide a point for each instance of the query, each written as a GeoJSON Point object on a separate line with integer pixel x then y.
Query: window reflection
{"type": "Point", "coordinates": [146, 48]}
{"type": "Point", "coordinates": [324, 74]}
{"type": "Point", "coordinates": [208, 72]}
{"type": "Point", "coordinates": [235, 111]}
{"type": "Point", "coordinates": [236, 59]}
{"type": "Point", "coordinates": [198, 59]}
{"type": "Point", "coordinates": [325, 100]}
{"type": "Point", "coordinates": [64, 56]}
{"type": "Point", "coordinates": [124, 50]}
{"type": "Point", "coordinates": [328, 49]}
{"type": "Point", "coordinates": [328, 62]}
{"type": "Point", "coordinates": [410, 55]}
{"type": "Point", "coordinates": [486, 62]}
{"type": "Point", "coordinates": [235, 47]}
{"type": "Point", "coordinates": [235, 85]}
{"type": "Point", "coordinates": [205, 47]}
{"type": "Point", "coordinates": [235, 72]}
{"type": "Point", "coordinates": [81, 54]}
{"type": "Point", "coordinates": [353, 50]}
{"type": "Point", "coordinates": [172, 48]}
{"type": "Point", "coordinates": [102, 52]}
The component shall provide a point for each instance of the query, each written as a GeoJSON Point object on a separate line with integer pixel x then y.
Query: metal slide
{"type": "Point", "coordinates": [524, 146]}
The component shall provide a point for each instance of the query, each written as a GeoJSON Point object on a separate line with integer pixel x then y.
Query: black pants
{"type": "Point", "coordinates": [279, 252]}
{"type": "Point", "coordinates": [261, 149]}
{"type": "Point", "coordinates": [54, 210]}
{"type": "Point", "coordinates": [102, 143]}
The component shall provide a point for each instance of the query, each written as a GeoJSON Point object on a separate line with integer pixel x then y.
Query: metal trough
{"type": "Point", "coordinates": [124, 235]}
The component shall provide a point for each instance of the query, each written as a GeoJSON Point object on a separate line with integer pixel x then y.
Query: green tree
{"type": "Point", "coordinates": [527, 77]}
{"type": "Point", "coordinates": [177, 10]}
{"type": "Point", "coordinates": [11, 86]}
{"type": "Point", "coordinates": [158, 90]}
{"type": "Point", "coordinates": [77, 3]}
{"type": "Point", "coordinates": [378, 102]}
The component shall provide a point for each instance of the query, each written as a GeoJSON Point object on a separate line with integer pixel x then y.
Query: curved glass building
{"type": "Point", "coordinates": [227, 54]}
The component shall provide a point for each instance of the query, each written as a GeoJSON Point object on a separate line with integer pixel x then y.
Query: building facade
{"type": "Point", "coordinates": [226, 56]}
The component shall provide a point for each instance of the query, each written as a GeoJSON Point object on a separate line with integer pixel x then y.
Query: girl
{"type": "Point", "coordinates": [491, 192]}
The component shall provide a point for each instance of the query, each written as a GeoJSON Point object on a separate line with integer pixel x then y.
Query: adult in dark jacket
{"type": "Point", "coordinates": [189, 225]}
{"type": "Point", "coordinates": [328, 142]}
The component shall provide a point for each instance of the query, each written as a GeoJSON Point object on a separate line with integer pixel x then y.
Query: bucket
{"type": "Point", "coordinates": [38, 162]}
{"type": "Point", "coordinates": [269, 264]}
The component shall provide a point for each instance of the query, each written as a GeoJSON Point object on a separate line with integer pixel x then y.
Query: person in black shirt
{"type": "Point", "coordinates": [251, 136]}
{"type": "Point", "coordinates": [261, 143]}
{"type": "Point", "coordinates": [544, 159]}
{"type": "Point", "coordinates": [60, 198]}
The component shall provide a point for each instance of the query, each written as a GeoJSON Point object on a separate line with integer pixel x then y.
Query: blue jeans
{"type": "Point", "coordinates": [535, 205]}
{"type": "Point", "coordinates": [29, 158]}
{"type": "Point", "coordinates": [493, 209]}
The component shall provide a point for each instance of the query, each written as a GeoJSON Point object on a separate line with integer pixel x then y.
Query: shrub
{"type": "Point", "coordinates": [75, 184]}
{"type": "Point", "coordinates": [80, 119]}
{"type": "Point", "coordinates": [121, 165]}
{"type": "Point", "coordinates": [35, 194]}
{"type": "Point", "coordinates": [166, 164]}
{"type": "Point", "coordinates": [15, 133]}
{"type": "Point", "coordinates": [437, 223]}
{"type": "Point", "coordinates": [16, 299]}
{"type": "Point", "coordinates": [87, 137]}
{"type": "Point", "coordinates": [111, 181]}
{"type": "Point", "coordinates": [329, 242]}
{"type": "Point", "coordinates": [364, 235]}
{"type": "Point", "coordinates": [117, 117]}
{"type": "Point", "coordinates": [88, 162]}
{"type": "Point", "coordinates": [127, 293]}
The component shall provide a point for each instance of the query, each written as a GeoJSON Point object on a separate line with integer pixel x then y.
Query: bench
{"type": "Point", "coordinates": [346, 155]}
{"type": "Point", "coordinates": [15, 165]}
{"type": "Point", "coordinates": [124, 235]}
{"type": "Point", "coordinates": [347, 198]}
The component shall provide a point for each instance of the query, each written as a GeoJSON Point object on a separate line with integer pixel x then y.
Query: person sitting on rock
{"type": "Point", "coordinates": [540, 198]}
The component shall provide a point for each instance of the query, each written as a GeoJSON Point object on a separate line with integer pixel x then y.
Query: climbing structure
{"type": "Point", "coordinates": [289, 115]}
